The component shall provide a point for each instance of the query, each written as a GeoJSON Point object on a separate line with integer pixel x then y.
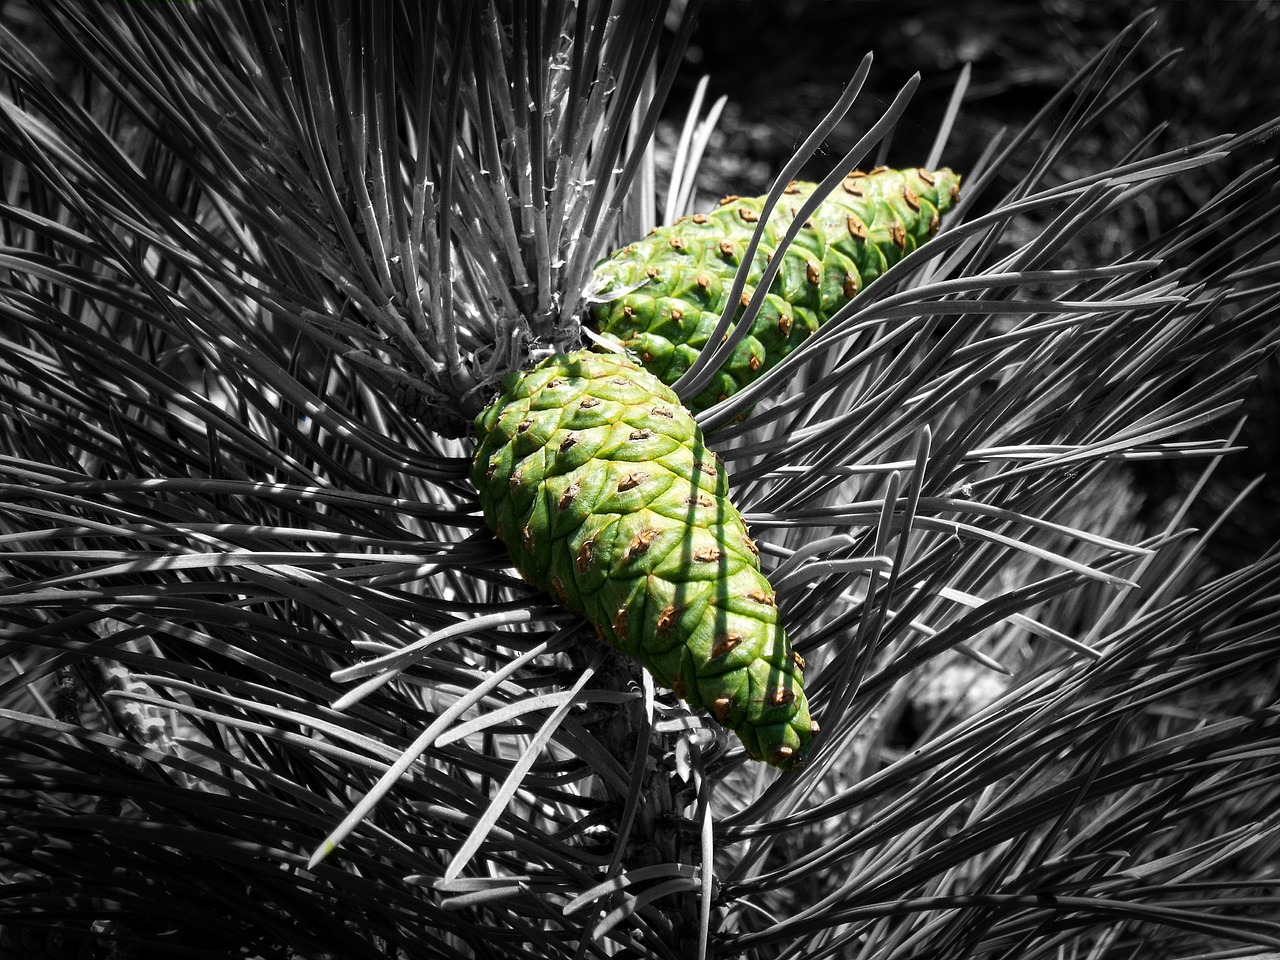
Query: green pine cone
{"type": "Point", "coordinates": [597, 480]}
{"type": "Point", "coordinates": [672, 285]}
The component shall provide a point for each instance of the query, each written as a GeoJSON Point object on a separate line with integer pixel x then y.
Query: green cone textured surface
{"type": "Point", "coordinates": [597, 480]}
{"type": "Point", "coordinates": [662, 296]}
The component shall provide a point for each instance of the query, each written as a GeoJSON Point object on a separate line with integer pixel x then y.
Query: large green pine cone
{"type": "Point", "coordinates": [597, 479]}
{"type": "Point", "coordinates": [671, 287]}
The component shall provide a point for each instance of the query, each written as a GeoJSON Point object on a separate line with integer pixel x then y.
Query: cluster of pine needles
{"type": "Point", "coordinates": [270, 688]}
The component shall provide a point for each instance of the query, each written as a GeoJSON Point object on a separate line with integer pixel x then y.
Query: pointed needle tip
{"type": "Point", "coordinates": [320, 853]}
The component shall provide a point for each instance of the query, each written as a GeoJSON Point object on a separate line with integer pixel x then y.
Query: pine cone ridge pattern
{"type": "Point", "coordinates": [674, 283]}
{"type": "Point", "coordinates": [598, 481]}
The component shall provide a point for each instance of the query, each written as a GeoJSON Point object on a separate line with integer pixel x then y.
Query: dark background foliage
{"type": "Point", "coordinates": [782, 65]}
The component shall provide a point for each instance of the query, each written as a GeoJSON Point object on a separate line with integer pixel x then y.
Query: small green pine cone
{"type": "Point", "coordinates": [672, 286]}
{"type": "Point", "coordinates": [597, 480]}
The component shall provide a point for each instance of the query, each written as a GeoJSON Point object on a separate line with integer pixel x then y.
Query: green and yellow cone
{"type": "Point", "coordinates": [598, 481]}
{"type": "Point", "coordinates": [662, 296]}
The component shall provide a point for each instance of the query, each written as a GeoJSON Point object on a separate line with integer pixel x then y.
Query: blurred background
{"type": "Point", "coordinates": [782, 65]}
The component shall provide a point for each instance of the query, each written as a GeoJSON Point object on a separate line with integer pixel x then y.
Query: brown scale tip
{"type": "Point", "coordinates": [668, 617]}
{"type": "Point", "coordinates": [588, 402]}
{"type": "Point", "coordinates": [784, 324]}
{"type": "Point", "coordinates": [523, 425]}
{"type": "Point", "coordinates": [781, 755]}
{"type": "Point", "coordinates": [677, 313]}
{"type": "Point", "coordinates": [699, 218]}
{"type": "Point", "coordinates": [813, 272]}
{"type": "Point", "coordinates": [925, 175]}
{"type": "Point", "coordinates": [781, 696]}
{"type": "Point", "coordinates": [703, 281]}
{"type": "Point", "coordinates": [644, 433]}
{"type": "Point", "coordinates": [526, 538]}
{"type": "Point", "coordinates": [620, 623]}
{"type": "Point", "coordinates": [701, 500]}
{"type": "Point", "coordinates": [725, 643]}
{"type": "Point", "coordinates": [728, 199]}
{"type": "Point", "coordinates": [677, 243]}
{"type": "Point", "coordinates": [651, 273]}
{"type": "Point", "coordinates": [850, 288]}
{"type": "Point", "coordinates": [706, 555]}
{"type": "Point", "coordinates": [857, 229]}
{"type": "Point", "coordinates": [517, 477]}
{"type": "Point", "coordinates": [912, 198]}
{"type": "Point", "coordinates": [641, 542]}
{"type": "Point", "coordinates": [570, 494]}
{"type": "Point", "coordinates": [792, 188]}
{"type": "Point", "coordinates": [632, 480]}
{"type": "Point", "coordinates": [663, 412]}
{"type": "Point", "coordinates": [720, 709]}
{"type": "Point", "coordinates": [748, 215]}
{"type": "Point", "coordinates": [759, 596]}
{"type": "Point", "coordinates": [898, 234]}
{"type": "Point", "coordinates": [585, 551]}
{"type": "Point", "coordinates": [797, 659]}
{"type": "Point", "coordinates": [568, 441]}
{"type": "Point", "coordinates": [755, 363]}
